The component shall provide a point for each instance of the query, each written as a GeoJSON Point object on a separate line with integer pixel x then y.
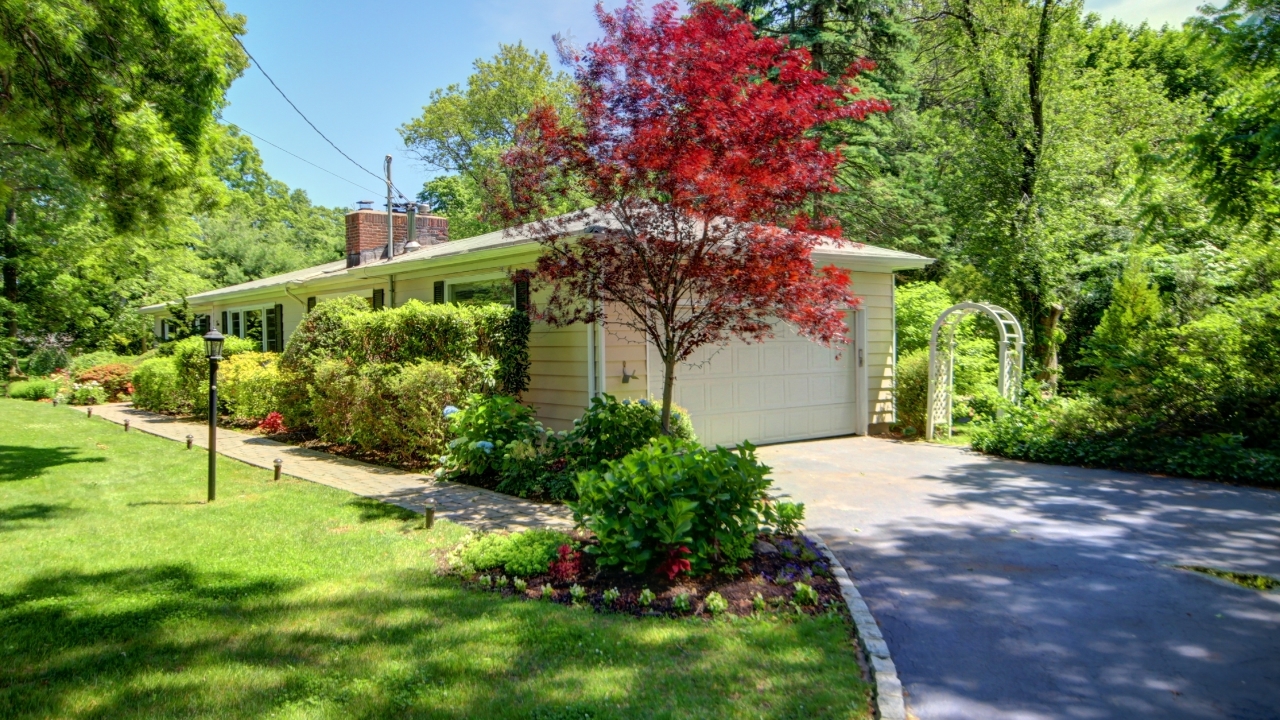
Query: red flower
{"type": "Point", "coordinates": [272, 423]}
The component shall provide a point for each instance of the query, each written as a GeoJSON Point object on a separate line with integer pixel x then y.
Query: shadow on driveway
{"type": "Point", "coordinates": [1016, 590]}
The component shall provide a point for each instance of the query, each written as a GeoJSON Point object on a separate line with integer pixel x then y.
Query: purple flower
{"type": "Point", "coordinates": [449, 410]}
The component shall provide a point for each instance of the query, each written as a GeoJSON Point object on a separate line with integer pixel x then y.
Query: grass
{"type": "Point", "coordinates": [1253, 581]}
{"type": "Point", "coordinates": [122, 594]}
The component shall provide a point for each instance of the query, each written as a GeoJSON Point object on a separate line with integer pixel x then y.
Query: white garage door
{"type": "Point", "coordinates": [788, 388]}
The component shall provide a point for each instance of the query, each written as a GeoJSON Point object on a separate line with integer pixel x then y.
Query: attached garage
{"type": "Point", "coordinates": [789, 388]}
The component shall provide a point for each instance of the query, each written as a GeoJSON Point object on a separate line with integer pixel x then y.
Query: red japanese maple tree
{"type": "Point", "coordinates": [694, 140]}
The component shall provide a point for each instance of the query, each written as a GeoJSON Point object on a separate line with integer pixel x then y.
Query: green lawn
{"type": "Point", "coordinates": [123, 595]}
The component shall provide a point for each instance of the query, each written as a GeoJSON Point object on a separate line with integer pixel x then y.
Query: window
{"type": "Point", "coordinates": [253, 326]}
{"type": "Point", "coordinates": [273, 329]}
{"type": "Point", "coordinates": [235, 325]}
{"type": "Point", "coordinates": [201, 324]}
{"type": "Point", "coordinates": [437, 292]}
{"type": "Point", "coordinates": [483, 291]}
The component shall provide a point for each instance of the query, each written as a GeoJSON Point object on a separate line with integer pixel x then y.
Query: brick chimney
{"type": "Point", "coordinates": [367, 234]}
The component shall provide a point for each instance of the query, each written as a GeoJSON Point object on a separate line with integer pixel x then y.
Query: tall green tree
{"type": "Point", "coordinates": [104, 108]}
{"type": "Point", "coordinates": [463, 132]}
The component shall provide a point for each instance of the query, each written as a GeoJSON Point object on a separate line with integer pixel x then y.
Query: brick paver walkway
{"type": "Point", "coordinates": [471, 506]}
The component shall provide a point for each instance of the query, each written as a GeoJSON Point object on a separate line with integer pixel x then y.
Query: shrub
{"type": "Point", "coordinates": [33, 389]}
{"type": "Point", "coordinates": [47, 359]}
{"type": "Point", "coordinates": [114, 378]}
{"type": "Point", "coordinates": [272, 423]}
{"type": "Point", "coordinates": [1078, 431]}
{"type": "Point", "coordinates": [789, 516]}
{"type": "Point", "coordinates": [248, 386]}
{"type": "Point", "coordinates": [486, 431]}
{"type": "Point", "coordinates": [385, 407]}
{"type": "Point", "coordinates": [82, 363]}
{"type": "Point", "coordinates": [610, 429]}
{"type": "Point", "coordinates": [192, 364]}
{"type": "Point", "coordinates": [521, 554]}
{"type": "Point", "coordinates": [90, 393]}
{"type": "Point", "coordinates": [715, 603]}
{"type": "Point", "coordinates": [805, 594]}
{"type": "Point", "coordinates": [673, 493]}
{"type": "Point", "coordinates": [155, 386]}
{"type": "Point", "coordinates": [911, 380]}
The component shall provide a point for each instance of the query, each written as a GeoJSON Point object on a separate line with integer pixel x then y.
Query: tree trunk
{"type": "Point", "coordinates": [1049, 357]}
{"type": "Point", "coordinates": [10, 252]}
{"type": "Point", "coordinates": [668, 391]}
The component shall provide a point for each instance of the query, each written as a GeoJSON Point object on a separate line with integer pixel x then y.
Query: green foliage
{"type": "Point", "coordinates": [610, 429]}
{"type": "Point", "coordinates": [1077, 432]}
{"type": "Point", "coordinates": [486, 431]}
{"type": "Point", "coordinates": [90, 393]}
{"type": "Point", "coordinates": [911, 389]}
{"type": "Point", "coordinates": [80, 363]}
{"type": "Point", "coordinates": [192, 364]}
{"type": "Point", "coordinates": [488, 343]}
{"type": "Point", "coordinates": [789, 517]}
{"type": "Point", "coordinates": [155, 386]}
{"type": "Point", "coordinates": [249, 387]}
{"type": "Point", "coordinates": [673, 493]}
{"type": "Point", "coordinates": [47, 359]}
{"type": "Point", "coordinates": [385, 407]}
{"type": "Point", "coordinates": [916, 308]}
{"type": "Point", "coordinates": [463, 131]}
{"type": "Point", "coordinates": [805, 594]}
{"type": "Point", "coordinates": [715, 603]}
{"type": "Point", "coordinates": [521, 554]}
{"type": "Point", "coordinates": [682, 603]}
{"type": "Point", "coordinates": [33, 389]}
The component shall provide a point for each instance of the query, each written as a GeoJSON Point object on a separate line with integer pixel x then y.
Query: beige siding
{"type": "Point", "coordinates": [876, 291]}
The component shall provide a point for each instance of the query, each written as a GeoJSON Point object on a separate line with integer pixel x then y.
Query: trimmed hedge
{"type": "Point", "coordinates": [155, 386]}
{"type": "Point", "coordinates": [248, 387]}
{"type": "Point", "coordinates": [33, 389]}
{"type": "Point", "coordinates": [384, 407]}
{"type": "Point", "coordinates": [193, 369]}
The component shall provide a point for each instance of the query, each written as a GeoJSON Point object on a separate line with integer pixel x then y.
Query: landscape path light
{"type": "Point", "coordinates": [213, 351]}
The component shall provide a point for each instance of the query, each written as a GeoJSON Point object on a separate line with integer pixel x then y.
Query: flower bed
{"type": "Point", "coordinates": [765, 583]}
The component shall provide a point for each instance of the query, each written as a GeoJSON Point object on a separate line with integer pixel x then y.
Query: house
{"type": "Point", "coordinates": [784, 389]}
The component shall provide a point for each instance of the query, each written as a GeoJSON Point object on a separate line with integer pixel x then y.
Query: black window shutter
{"type": "Point", "coordinates": [437, 292]}
{"type": "Point", "coordinates": [379, 298]}
{"type": "Point", "coordinates": [522, 295]}
{"type": "Point", "coordinates": [279, 328]}
{"type": "Point", "coordinates": [224, 321]}
{"type": "Point", "coordinates": [311, 303]}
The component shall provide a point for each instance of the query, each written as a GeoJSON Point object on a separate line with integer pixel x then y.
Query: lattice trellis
{"type": "Point", "coordinates": [942, 370]}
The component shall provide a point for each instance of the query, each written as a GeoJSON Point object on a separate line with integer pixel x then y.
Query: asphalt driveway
{"type": "Point", "coordinates": [1014, 590]}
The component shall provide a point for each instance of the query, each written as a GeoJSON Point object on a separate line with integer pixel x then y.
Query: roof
{"type": "Point", "coordinates": [513, 237]}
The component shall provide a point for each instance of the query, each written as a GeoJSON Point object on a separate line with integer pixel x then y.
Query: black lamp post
{"type": "Point", "coordinates": [213, 350]}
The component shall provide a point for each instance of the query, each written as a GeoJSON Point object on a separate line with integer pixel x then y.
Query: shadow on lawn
{"type": "Point", "coordinates": [19, 462]}
{"type": "Point", "coordinates": [18, 517]}
{"type": "Point", "coordinates": [168, 641]}
{"type": "Point", "coordinates": [374, 510]}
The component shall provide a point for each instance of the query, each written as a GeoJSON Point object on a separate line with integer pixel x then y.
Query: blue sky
{"type": "Point", "coordinates": [360, 70]}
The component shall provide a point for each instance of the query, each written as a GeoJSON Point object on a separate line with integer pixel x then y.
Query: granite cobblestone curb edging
{"type": "Point", "coordinates": [466, 505]}
{"type": "Point", "coordinates": [890, 704]}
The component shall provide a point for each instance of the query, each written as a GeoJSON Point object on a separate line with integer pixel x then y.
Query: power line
{"type": "Point", "coordinates": [259, 137]}
{"type": "Point", "coordinates": [217, 13]}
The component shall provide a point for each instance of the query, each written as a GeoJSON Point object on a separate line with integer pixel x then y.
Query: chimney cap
{"type": "Point", "coordinates": [364, 204]}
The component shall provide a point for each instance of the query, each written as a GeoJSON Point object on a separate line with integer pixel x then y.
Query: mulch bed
{"type": "Point", "coordinates": [772, 575]}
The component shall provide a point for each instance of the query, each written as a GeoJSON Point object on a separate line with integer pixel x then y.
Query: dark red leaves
{"type": "Point", "coordinates": [675, 564]}
{"type": "Point", "coordinates": [567, 565]}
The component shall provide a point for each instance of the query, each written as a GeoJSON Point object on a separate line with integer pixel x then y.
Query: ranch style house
{"type": "Point", "coordinates": [784, 389]}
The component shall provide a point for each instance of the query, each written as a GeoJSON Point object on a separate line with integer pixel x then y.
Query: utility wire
{"type": "Point", "coordinates": [232, 32]}
{"type": "Point", "coordinates": [259, 137]}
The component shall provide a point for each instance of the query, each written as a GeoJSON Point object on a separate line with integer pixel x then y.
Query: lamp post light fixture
{"type": "Point", "coordinates": [213, 351]}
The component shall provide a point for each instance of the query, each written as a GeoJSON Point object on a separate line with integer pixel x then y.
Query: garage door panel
{"type": "Point", "coordinates": [783, 389]}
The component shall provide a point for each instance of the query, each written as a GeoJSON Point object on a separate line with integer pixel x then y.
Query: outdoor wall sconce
{"type": "Point", "coordinates": [627, 376]}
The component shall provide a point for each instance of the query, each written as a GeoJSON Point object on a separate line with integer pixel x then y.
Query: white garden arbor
{"type": "Point", "coordinates": [942, 369]}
